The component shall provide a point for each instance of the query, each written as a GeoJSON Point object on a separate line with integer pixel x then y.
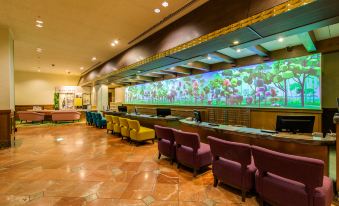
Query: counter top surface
{"type": "Point", "coordinates": [258, 133]}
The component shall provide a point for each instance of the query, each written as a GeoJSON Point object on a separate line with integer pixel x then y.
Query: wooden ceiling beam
{"type": "Point", "coordinates": [224, 57]}
{"type": "Point", "coordinates": [308, 40]}
{"type": "Point", "coordinates": [198, 65]}
{"type": "Point", "coordinates": [259, 50]}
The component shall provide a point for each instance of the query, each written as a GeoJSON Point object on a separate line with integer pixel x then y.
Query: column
{"type": "Point", "coordinates": [7, 105]}
{"type": "Point", "coordinates": [101, 94]}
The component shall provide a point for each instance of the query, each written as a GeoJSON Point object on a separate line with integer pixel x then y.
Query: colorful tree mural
{"type": "Point", "coordinates": [289, 83]}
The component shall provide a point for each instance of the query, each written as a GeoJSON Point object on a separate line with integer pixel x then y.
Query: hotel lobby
{"type": "Point", "coordinates": [169, 102]}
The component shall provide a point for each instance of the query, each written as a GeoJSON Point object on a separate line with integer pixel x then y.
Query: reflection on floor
{"type": "Point", "coordinates": [81, 165]}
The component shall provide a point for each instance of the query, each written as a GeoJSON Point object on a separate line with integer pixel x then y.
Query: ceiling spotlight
{"type": "Point", "coordinates": [236, 42]}
{"type": "Point", "coordinates": [157, 11]}
{"type": "Point", "coordinates": [238, 50]}
{"type": "Point", "coordinates": [139, 71]}
{"type": "Point", "coordinates": [81, 68]}
{"type": "Point", "coordinates": [39, 50]}
{"type": "Point", "coordinates": [280, 39]}
{"type": "Point", "coordinates": [116, 41]}
{"type": "Point", "coordinates": [39, 70]}
{"type": "Point", "coordinates": [209, 58]}
{"type": "Point", "coordinates": [39, 25]}
{"type": "Point", "coordinates": [113, 44]}
{"type": "Point", "coordinates": [94, 59]}
{"type": "Point", "coordinates": [165, 4]}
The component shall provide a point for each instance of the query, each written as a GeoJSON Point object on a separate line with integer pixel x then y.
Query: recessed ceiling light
{"type": "Point", "coordinates": [236, 42]}
{"type": "Point", "coordinates": [157, 11]}
{"type": "Point", "coordinates": [39, 50]}
{"type": "Point", "coordinates": [39, 25]}
{"type": "Point", "coordinates": [139, 71]}
{"type": "Point", "coordinates": [238, 50]}
{"type": "Point", "coordinates": [81, 68]}
{"type": "Point", "coordinates": [209, 58]}
{"type": "Point", "coordinates": [116, 41]}
{"type": "Point", "coordinates": [39, 70]}
{"type": "Point", "coordinates": [113, 44]}
{"type": "Point", "coordinates": [280, 39]}
{"type": "Point", "coordinates": [94, 58]}
{"type": "Point", "coordinates": [165, 4]}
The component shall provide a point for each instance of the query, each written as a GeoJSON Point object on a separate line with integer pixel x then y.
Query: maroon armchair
{"type": "Point", "coordinates": [284, 179]}
{"type": "Point", "coordinates": [166, 143]}
{"type": "Point", "coordinates": [232, 164]}
{"type": "Point", "coordinates": [190, 151]}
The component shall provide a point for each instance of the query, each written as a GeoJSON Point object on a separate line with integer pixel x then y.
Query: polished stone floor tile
{"type": "Point", "coordinates": [90, 167]}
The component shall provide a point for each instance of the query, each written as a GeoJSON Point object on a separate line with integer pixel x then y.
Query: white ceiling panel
{"type": "Point", "coordinates": [236, 55]}
{"type": "Point", "coordinates": [287, 41]}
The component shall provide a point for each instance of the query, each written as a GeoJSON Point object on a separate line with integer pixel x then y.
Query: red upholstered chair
{"type": "Point", "coordinates": [190, 151]}
{"type": "Point", "coordinates": [30, 116]}
{"type": "Point", "coordinates": [166, 143]}
{"type": "Point", "coordinates": [232, 164]}
{"type": "Point", "coordinates": [284, 179]}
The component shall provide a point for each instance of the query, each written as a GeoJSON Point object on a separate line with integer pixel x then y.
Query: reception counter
{"type": "Point", "coordinates": [296, 144]}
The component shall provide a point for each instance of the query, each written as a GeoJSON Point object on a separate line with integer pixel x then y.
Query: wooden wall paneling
{"type": "Point", "coordinates": [6, 129]}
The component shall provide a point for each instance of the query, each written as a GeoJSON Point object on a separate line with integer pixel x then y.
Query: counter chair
{"type": "Point", "coordinates": [101, 122]}
{"type": "Point", "coordinates": [116, 125]}
{"type": "Point", "coordinates": [291, 180]}
{"type": "Point", "coordinates": [124, 128]}
{"type": "Point", "coordinates": [166, 142]}
{"type": "Point", "coordinates": [109, 122]}
{"type": "Point", "coordinates": [232, 164]}
{"type": "Point", "coordinates": [190, 152]}
{"type": "Point", "coordinates": [138, 133]}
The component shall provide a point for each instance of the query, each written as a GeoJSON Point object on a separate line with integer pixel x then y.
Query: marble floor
{"type": "Point", "coordinates": [81, 165]}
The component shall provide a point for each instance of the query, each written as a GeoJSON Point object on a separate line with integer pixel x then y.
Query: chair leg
{"type": "Point", "coordinates": [215, 184]}
{"type": "Point", "coordinates": [261, 202]}
{"type": "Point", "coordinates": [153, 141]}
{"type": "Point", "coordinates": [178, 165]}
{"type": "Point", "coordinates": [172, 160]}
{"type": "Point", "coordinates": [159, 156]}
{"type": "Point", "coordinates": [194, 172]}
{"type": "Point", "coordinates": [243, 195]}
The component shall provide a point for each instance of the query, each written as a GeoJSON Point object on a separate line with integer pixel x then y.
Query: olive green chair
{"type": "Point", "coordinates": [116, 125]}
{"type": "Point", "coordinates": [124, 128]}
{"type": "Point", "coordinates": [110, 126]}
{"type": "Point", "coordinates": [138, 133]}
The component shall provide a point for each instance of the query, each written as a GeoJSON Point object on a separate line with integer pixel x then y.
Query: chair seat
{"type": "Point", "coordinates": [276, 189]}
{"type": "Point", "coordinates": [229, 172]}
{"type": "Point", "coordinates": [204, 156]}
{"type": "Point", "coordinates": [145, 134]}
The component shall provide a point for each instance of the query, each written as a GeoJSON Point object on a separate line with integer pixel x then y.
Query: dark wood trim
{"type": "Point", "coordinates": [7, 126]}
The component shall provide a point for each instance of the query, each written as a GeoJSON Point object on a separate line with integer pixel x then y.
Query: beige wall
{"type": "Point", "coordinates": [120, 94]}
{"type": "Point", "coordinates": [330, 79]}
{"type": "Point", "coordinates": [38, 88]}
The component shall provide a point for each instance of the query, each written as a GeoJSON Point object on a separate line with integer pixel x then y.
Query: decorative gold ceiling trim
{"type": "Point", "coordinates": [279, 9]}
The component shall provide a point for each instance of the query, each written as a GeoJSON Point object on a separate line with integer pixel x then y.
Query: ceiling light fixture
{"type": "Point", "coordinates": [39, 50]}
{"type": "Point", "coordinates": [39, 23]}
{"type": "Point", "coordinates": [39, 70]}
{"type": "Point", "coordinates": [113, 44]}
{"type": "Point", "coordinates": [94, 59]}
{"type": "Point", "coordinates": [116, 41]}
{"type": "Point", "coordinates": [238, 50]}
{"type": "Point", "coordinates": [236, 42]}
{"type": "Point", "coordinates": [280, 39]}
{"type": "Point", "coordinates": [209, 58]}
{"type": "Point", "coordinates": [81, 68]}
{"type": "Point", "coordinates": [165, 4]}
{"type": "Point", "coordinates": [157, 11]}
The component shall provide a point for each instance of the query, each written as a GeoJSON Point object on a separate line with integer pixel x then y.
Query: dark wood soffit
{"type": "Point", "coordinates": [209, 17]}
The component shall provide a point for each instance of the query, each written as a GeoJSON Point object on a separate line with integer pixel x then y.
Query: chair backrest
{"type": "Point", "coordinates": [108, 118]}
{"type": "Point", "coordinates": [123, 122]}
{"type": "Point", "coordinates": [98, 114]}
{"type": "Point", "coordinates": [187, 139]}
{"type": "Point", "coordinates": [237, 152]}
{"type": "Point", "coordinates": [305, 170]}
{"type": "Point", "coordinates": [115, 120]}
{"type": "Point", "coordinates": [164, 133]}
{"type": "Point", "coordinates": [94, 116]}
{"type": "Point", "coordinates": [134, 125]}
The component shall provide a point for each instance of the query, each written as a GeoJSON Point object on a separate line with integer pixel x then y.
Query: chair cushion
{"type": "Point", "coordinates": [229, 172]}
{"type": "Point", "coordinates": [185, 155]}
{"type": "Point", "coordinates": [144, 133]}
{"type": "Point", "coordinates": [275, 189]}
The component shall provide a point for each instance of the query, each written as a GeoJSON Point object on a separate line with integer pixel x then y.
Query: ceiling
{"type": "Point", "coordinates": [227, 54]}
{"type": "Point", "coordinates": [75, 31]}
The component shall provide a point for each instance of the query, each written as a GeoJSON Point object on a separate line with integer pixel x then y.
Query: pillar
{"type": "Point", "coordinates": [7, 105]}
{"type": "Point", "coordinates": [101, 96]}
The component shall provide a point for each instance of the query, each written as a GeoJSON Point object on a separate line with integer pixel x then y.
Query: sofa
{"type": "Point", "coordinates": [30, 116]}
{"type": "Point", "coordinates": [65, 116]}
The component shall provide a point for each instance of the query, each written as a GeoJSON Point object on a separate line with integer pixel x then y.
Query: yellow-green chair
{"type": "Point", "coordinates": [124, 128]}
{"type": "Point", "coordinates": [109, 121]}
{"type": "Point", "coordinates": [116, 125]}
{"type": "Point", "coordinates": [138, 133]}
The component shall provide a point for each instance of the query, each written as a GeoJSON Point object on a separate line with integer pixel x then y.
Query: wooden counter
{"type": "Point", "coordinates": [296, 144]}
